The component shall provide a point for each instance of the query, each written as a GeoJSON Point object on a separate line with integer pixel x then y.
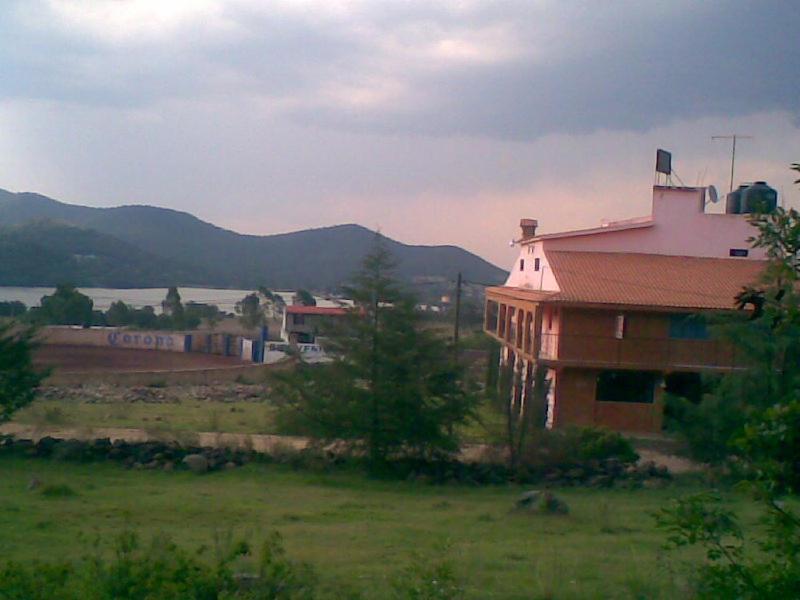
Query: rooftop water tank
{"type": "Point", "coordinates": [733, 203]}
{"type": "Point", "coordinates": [759, 197]}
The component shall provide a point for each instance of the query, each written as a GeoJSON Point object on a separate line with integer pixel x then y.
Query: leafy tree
{"type": "Point", "coordinates": [763, 436]}
{"type": "Point", "coordinates": [18, 377]}
{"type": "Point", "coordinates": [66, 306]}
{"type": "Point", "coordinates": [119, 314]}
{"type": "Point", "coordinates": [523, 422]}
{"type": "Point", "coordinates": [196, 312]}
{"type": "Point", "coordinates": [305, 298]}
{"type": "Point", "coordinates": [144, 318]}
{"type": "Point", "coordinates": [249, 311]}
{"type": "Point", "coordinates": [14, 308]}
{"type": "Point", "coordinates": [272, 303]}
{"type": "Point", "coordinates": [391, 388]}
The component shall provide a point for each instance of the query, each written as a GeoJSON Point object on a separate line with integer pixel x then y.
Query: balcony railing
{"type": "Point", "coordinates": [641, 352]}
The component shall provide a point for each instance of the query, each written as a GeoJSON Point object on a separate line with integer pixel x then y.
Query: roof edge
{"type": "Point", "coordinates": [611, 227]}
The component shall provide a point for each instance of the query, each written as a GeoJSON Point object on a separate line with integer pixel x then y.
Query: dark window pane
{"type": "Point", "coordinates": [626, 386]}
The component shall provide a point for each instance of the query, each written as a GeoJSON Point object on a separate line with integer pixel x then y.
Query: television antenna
{"type": "Point", "coordinates": [733, 137]}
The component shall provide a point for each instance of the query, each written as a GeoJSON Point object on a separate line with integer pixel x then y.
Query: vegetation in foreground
{"type": "Point", "coordinates": [753, 428]}
{"type": "Point", "coordinates": [356, 533]}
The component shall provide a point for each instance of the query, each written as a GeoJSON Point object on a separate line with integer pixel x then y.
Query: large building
{"type": "Point", "coordinates": [614, 314]}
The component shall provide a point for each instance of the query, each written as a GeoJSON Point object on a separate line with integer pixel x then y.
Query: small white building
{"type": "Point", "coordinates": [302, 324]}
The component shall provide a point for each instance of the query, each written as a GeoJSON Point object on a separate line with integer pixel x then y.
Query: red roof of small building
{"type": "Point", "coordinates": [647, 280]}
{"type": "Point", "coordinates": [298, 309]}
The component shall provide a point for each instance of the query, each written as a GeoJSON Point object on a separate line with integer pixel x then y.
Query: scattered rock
{"type": "Point", "coordinates": [197, 463]}
{"type": "Point", "coordinates": [542, 502]}
{"type": "Point", "coordinates": [34, 484]}
{"type": "Point", "coordinates": [230, 466]}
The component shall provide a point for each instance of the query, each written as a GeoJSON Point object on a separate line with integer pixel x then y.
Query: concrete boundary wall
{"type": "Point", "coordinates": [114, 337]}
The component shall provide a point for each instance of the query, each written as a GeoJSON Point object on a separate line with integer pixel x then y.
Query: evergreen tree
{"type": "Point", "coordinates": [18, 377]}
{"type": "Point", "coordinates": [172, 307]}
{"type": "Point", "coordinates": [392, 387]}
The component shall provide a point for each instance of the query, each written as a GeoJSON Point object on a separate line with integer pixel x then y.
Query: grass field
{"type": "Point", "coordinates": [183, 409]}
{"type": "Point", "coordinates": [184, 415]}
{"type": "Point", "coordinates": [355, 531]}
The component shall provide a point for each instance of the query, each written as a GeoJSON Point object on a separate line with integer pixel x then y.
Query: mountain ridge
{"type": "Point", "coordinates": [318, 258]}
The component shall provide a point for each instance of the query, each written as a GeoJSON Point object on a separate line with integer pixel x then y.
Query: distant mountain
{"type": "Point", "coordinates": [47, 253]}
{"type": "Point", "coordinates": [199, 253]}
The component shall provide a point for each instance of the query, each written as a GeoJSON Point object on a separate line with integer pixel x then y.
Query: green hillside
{"type": "Point", "coordinates": [47, 253]}
{"type": "Point", "coordinates": [209, 255]}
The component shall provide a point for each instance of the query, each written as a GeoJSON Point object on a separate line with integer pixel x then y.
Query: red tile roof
{"type": "Point", "coordinates": [297, 309]}
{"type": "Point", "coordinates": [655, 280]}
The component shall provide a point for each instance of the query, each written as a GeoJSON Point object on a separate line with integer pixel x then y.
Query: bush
{"type": "Point", "coordinates": [426, 579]}
{"type": "Point", "coordinates": [575, 446]}
{"type": "Point", "coordinates": [161, 570]}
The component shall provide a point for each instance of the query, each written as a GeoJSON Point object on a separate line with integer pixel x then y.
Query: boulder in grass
{"type": "Point", "coordinates": [197, 463]}
{"type": "Point", "coordinates": [541, 502]}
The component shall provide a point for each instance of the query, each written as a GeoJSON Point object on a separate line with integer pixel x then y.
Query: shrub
{"type": "Point", "coordinates": [426, 579]}
{"type": "Point", "coordinates": [160, 570]}
{"type": "Point", "coordinates": [576, 446]}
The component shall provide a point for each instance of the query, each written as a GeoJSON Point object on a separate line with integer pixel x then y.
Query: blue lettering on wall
{"type": "Point", "coordinates": [137, 340]}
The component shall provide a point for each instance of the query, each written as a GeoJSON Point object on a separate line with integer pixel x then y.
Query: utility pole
{"type": "Point", "coordinates": [733, 137]}
{"type": "Point", "coordinates": [458, 316]}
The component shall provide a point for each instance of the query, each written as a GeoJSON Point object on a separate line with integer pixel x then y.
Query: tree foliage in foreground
{"type": "Point", "coordinates": [18, 377]}
{"type": "Point", "coordinates": [762, 439]}
{"type": "Point", "coordinates": [392, 387]}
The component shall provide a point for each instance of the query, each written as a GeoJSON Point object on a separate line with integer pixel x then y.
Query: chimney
{"type": "Point", "coordinates": [528, 227]}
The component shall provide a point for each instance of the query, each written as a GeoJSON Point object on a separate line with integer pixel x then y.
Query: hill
{"type": "Point", "coordinates": [43, 253]}
{"type": "Point", "coordinates": [204, 254]}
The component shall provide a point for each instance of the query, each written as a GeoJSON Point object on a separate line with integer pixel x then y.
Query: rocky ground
{"type": "Point", "coordinates": [99, 393]}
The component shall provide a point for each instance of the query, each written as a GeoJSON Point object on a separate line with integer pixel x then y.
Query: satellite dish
{"type": "Point", "coordinates": [713, 196]}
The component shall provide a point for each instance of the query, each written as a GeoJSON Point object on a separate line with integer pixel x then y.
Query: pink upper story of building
{"type": "Point", "coordinates": [677, 226]}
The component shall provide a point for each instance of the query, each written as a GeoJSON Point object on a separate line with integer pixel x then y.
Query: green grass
{"type": "Point", "coordinates": [355, 531]}
{"type": "Point", "coordinates": [190, 415]}
{"type": "Point", "coordinates": [184, 415]}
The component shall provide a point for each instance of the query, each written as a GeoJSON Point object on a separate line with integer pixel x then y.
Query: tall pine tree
{"type": "Point", "coordinates": [392, 387]}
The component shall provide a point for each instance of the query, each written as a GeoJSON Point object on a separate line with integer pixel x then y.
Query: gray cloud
{"type": "Point", "coordinates": [558, 67]}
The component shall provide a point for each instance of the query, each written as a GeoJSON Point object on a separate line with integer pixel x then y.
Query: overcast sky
{"type": "Point", "coordinates": [439, 123]}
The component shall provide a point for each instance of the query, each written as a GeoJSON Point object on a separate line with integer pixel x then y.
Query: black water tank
{"type": "Point", "coordinates": [759, 197]}
{"type": "Point", "coordinates": [733, 203]}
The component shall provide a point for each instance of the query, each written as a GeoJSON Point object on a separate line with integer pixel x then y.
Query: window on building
{"type": "Point", "coordinates": [688, 327]}
{"type": "Point", "coordinates": [521, 264]}
{"type": "Point", "coordinates": [535, 264]}
{"type": "Point", "coordinates": [686, 385]}
{"type": "Point", "coordinates": [299, 319]}
{"type": "Point", "coordinates": [626, 386]}
{"type": "Point", "coordinates": [619, 327]}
